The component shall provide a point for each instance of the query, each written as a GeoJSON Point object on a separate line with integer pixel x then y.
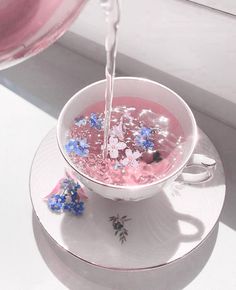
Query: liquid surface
{"type": "Point", "coordinates": [143, 144]}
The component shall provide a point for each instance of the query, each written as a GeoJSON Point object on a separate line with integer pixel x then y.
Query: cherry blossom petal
{"type": "Point", "coordinates": [113, 140]}
{"type": "Point", "coordinates": [118, 131]}
{"type": "Point", "coordinates": [113, 153]}
{"type": "Point", "coordinates": [121, 146]}
{"type": "Point", "coordinates": [82, 194]}
{"type": "Point", "coordinates": [134, 163]}
{"type": "Point", "coordinates": [55, 189]}
{"type": "Point", "coordinates": [70, 174]}
{"type": "Point", "coordinates": [124, 161]}
{"type": "Point", "coordinates": [128, 152]}
{"type": "Point", "coordinates": [136, 154]}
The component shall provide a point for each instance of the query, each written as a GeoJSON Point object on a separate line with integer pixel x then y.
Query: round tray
{"type": "Point", "coordinates": [155, 231]}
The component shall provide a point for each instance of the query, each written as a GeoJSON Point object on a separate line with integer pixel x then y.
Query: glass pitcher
{"type": "Point", "coordinates": [29, 26]}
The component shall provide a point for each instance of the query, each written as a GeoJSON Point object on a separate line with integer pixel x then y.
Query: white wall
{"type": "Point", "coordinates": [190, 48]}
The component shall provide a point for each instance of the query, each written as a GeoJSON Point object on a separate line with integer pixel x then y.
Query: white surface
{"type": "Point", "coordinates": [172, 41]}
{"type": "Point", "coordinates": [28, 259]}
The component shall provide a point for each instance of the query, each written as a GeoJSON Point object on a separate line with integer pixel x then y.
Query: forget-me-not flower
{"type": "Point", "coordinates": [80, 121]}
{"type": "Point", "coordinates": [68, 197]}
{"type": "Point", "coordinates": [78, 146]}
{"type": "Point", "coordinates": [143, 139]}
{"type": "Point", "coordinates": [95, 121]}
{"type": "Point", "coordinates": [145, 144]}
{"type": "Point", "coordinates": [145, 132]}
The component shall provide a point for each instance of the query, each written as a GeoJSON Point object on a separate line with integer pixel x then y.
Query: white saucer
{"type": "Point", "coordinates": [161, 229]}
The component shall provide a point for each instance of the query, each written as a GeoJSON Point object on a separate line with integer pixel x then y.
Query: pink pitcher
{"type": "Point", "coordinates": [29, 26]}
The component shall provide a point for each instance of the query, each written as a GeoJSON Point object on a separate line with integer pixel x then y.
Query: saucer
{"type": "Point", "coordinates": [123, 235]}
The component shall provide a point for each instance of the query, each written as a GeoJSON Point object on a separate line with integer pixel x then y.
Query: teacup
{"type": "Point", "coordinates": [153, 91]}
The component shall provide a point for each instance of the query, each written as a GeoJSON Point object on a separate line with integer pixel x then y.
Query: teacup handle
{"type": "Point", "coordinates": [202, 161]}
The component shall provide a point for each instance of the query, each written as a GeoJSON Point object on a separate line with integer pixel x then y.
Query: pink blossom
{"type": "Point", "coordinates": [117, 131]}
{"type": "Point", "coordinates": [131, 158]}
{"type": "Point", "coordinates": [55, 189]}
{"type": "Point", "coordinates": [114, 146]}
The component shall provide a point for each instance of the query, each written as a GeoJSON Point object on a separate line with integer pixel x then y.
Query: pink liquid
{"type": "Point", "coordinates": [29, 26]}
{"type": "Point", "coordinates": [167, 137]}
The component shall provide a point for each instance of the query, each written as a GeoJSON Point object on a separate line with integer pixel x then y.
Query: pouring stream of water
{"type": "Point", "coordinates": [112, 12]}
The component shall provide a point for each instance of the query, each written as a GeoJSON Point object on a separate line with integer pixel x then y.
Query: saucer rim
{"type": "Point", "coordinates": [123, 269]}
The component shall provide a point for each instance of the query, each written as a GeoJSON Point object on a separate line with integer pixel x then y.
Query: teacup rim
{"type": "Point", "coordinates": [122, 187]}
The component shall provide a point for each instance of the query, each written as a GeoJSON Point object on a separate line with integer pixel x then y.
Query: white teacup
{"type": "Point", "coordinates": [149, 90]}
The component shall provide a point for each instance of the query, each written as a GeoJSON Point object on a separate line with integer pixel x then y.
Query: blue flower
{"type": "Point", "coordinates": [80, 122]}
{"type": "Point", "coordinates": [71, 146]}
{"type": "Point", "coordinates": [143, 139]}
{"type": "Point", "coordinates": [70, 185]}
{"type": "Point", "coordinates": [145, 132]}
{"type": "Point", "coordinates": [66, 183]}
{"type": "Point", "coordinates": [77, 208]}
{"type": "Point", "coordinates": [79, 147]}
{"type": "Point", "coordinates": [82, 149]}
{"type": "Point", "coordinates": [74, 195]}
{"type": "Point", "coordinates": [95, 121]}
{"type": "Point", "coordinates": [68, 207]}
{"type": "Point", "coordinates": [66, 198]}
{"type": "Point", "coordinates": [56, 202]}
{"type": "Point", "coordinates": [118, 165]}
{"type": "Point", "coordinates": [148, 144]}
{"type": "Point", "coordinates": [144, 143]}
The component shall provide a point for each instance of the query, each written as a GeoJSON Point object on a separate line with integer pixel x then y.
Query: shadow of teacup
{"type": "Point", "coordinates": [76, 274]}
{"type": "Point", "coordinates": [148, 236]}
